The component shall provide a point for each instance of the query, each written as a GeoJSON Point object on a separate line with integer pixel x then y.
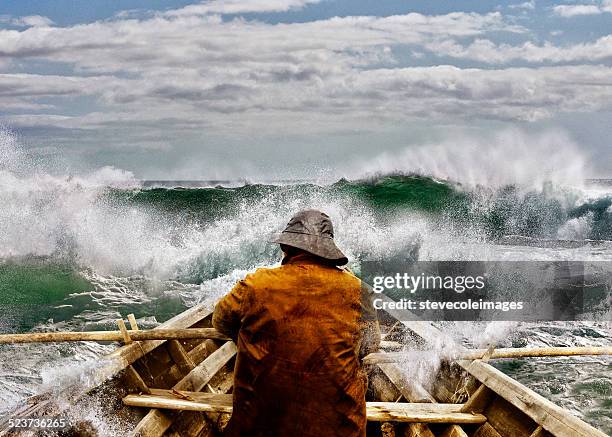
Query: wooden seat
{"type": "Point", "coordinates": [376, 411]}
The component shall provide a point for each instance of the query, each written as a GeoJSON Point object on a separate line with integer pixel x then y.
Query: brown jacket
{"type": "Point", "coordinates": [300, 330]}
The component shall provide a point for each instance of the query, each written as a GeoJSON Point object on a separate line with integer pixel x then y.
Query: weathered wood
{"type": "Point", "coordinates": [426, 331]}
{"type": "Point", "coordinates": [110, 366]}
{"type": "Point", "coordinates": [203, 424]}
{"type": "Point", "coordinates": [132, 320]}
{"type": "Point", "coordinates": [454, 431]}
{"type": "Point", "coordinates": [203, 373]}
{"type": "Point", "coordinates": [553, 418]}
{"type": "Point", "coordinates": [376, 411]}
{"type": "Point", "coordinates": [192, 424]}
{"type": "Point", "coordinates": [538, 432]}
{"type": "Point", "coordinates": [466, 354]}
{"type": "Point", "coordinates": [479, 400]}
{"type": "Point", "coordinates": [196, 355]}
{"type": "Point", "coordinates": [387, 429]}
{"type": "Point", "coordinates": [165, 399]}
{"type": "Point", "coordinates": [125, 336]}
{"type": "Point", "coordinates": [155, 423]}
{"type": "Point", "coordinates": [128, 354]}
{"type": "Point", "coordinates": [442, 393]}
{"type": "Point", "coordinates": [418, 430]}
{"type": "Point", "coordinates": [486, 430]}
{"type": "Point", "coordinates": [507, 420]}
{"type": "Point", "coordinates": [136, 380]}
{"type": "Point", "coordinates": [383, 389]}
{"type": "Point", "coordinates": [180, 357]}
{"type": "Point", "coordinates": [133, 335]}
{"type": "Point", "coordinates": [411, 390]}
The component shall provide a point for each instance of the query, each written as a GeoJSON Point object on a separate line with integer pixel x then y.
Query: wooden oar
{"type": "Point", "coordinates": [475, 354]}
{"type": "Point", "coordinates": [134, 335]}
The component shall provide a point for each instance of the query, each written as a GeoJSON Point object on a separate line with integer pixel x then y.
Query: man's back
{"type": "Point", "coordinates": [298, 330]}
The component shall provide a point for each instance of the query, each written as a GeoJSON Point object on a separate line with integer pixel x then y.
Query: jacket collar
{"type": "Point", "coordinates": [303, 258]}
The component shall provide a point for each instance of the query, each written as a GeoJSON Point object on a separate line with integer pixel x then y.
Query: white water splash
{"type": "Point", "coordinates": [506, 157]}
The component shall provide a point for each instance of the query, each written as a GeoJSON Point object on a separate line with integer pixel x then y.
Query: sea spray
{"type": "Point", "coordinates": [157, 251]}
{"type": "Point", "coordinates": [506, 157]}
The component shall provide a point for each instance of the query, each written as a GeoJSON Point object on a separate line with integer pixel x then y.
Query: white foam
{"type": "Point", "coordinates": [510, 156]}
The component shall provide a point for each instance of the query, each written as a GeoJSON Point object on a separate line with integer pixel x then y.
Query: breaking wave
{"type": "Point", "coordinates": [79, 251]}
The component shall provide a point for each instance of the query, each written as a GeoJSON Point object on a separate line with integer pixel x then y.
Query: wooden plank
{"type": "Point", "coordinates": [442, 393]}
{"type": "Point", "coordinates": [411, 390]}
{"type": "Point", "coordinates": [383, 389]}
{"type": "Point", "coordinates": [165, 399]}
{"type": "Point", "coordinates": [63, 335]}
{"type": "Point", "coordinates": [553, 418]}
{"type": "Point", "coordinates": [111, 365]}
{"type": "Point", "coordinates": [486, 354]}
{"type": "Point", "coordinates": [196, 355]}
{"type": "Point", "coordinates": [418, 430]}
{"type": "Point", "coordinates": [125, 335]}
{"type": "Point", "coordinates": [135, 380]}
{"type": "Point", "coordinates": [155, 423]}
{"type": "Point", "coordinates": [479, 400]}
{"type": "Point", "coordinates": [486, 430]}
{"type": "Point", "coordinates": [426, 331]}
{"type": "Point", "coordinates": [507, 420]}
{"type": "Point", "coordinates": [180, 357]}
{"type": "Point", "coordinates": [133, 323]}
{"type": "Point", "coordinates": [453, 431]}
{"type": "Point", "coordinates": [387, 429]}
{"type": "Point", "coordinates": [376, 411]}
{"type": "Point", "coordinates": [126, 355]}
{"type": "Point", "coordinates": [420, 412]}
{"type": "Point", "coordinates": [202, 424]}
{"type": "Point", "coordinates": [191, 424]}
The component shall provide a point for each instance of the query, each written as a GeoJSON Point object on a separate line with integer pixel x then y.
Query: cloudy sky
{"type": "Point", "coordinates": [224, 89]}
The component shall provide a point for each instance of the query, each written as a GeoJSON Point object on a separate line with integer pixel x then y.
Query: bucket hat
{"type": "Point", "coordinates": [312, 231]}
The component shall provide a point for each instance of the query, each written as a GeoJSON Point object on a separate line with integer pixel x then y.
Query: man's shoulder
{"type": "Point", "coordinates": [261, 273]}
{"type": "Point", "coordinates": [265, 274]}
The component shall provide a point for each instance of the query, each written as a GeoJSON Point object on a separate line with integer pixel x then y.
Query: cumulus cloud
{"type": "Point", "coordinates": [530, 5]}
{"type": "Point", "coordinates": [569, 11]}
{"type": "Point", "coordinates": [152, 80]}
{"type": "Point", "coordinates": [354, 98]}
{"type": "Point", "coordinates": [240, 6]}
{"type": "Point", "coordinates": [484, 50]}
{"type": "Point", "coordinates": [27, 21]}
{"type": "Point", "coordinates": [38, 85]}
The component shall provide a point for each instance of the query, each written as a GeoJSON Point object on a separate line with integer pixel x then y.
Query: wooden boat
{"type": "Point", "coordinates": [183, 388]}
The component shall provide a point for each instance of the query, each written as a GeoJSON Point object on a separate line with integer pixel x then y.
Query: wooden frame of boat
{"type": "Point", "coordinates": [183, 388]}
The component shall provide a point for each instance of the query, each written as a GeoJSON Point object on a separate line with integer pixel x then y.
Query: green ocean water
{"type": "Point", "coordinates": [40, 282]}
{"type": "Point", "coordinates": [31, 289]}
{"type": "Point", "coordinates": [78, 257]}
{"type": "Point", "coordinates": [507, 210]}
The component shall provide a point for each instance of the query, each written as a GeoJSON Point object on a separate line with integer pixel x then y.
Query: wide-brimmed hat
{"type": "Point", "coordinates": [312, 231]}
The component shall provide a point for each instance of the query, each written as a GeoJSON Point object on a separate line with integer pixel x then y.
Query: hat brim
{"type": "Point", "coordinates": [319, 246]}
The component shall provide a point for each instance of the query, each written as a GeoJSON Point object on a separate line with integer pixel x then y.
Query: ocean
{"type": "Point", "coordinates": [78, 252]}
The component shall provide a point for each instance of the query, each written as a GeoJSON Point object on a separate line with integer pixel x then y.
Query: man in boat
{"type": "Point", "coordinates": [301, 330]}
